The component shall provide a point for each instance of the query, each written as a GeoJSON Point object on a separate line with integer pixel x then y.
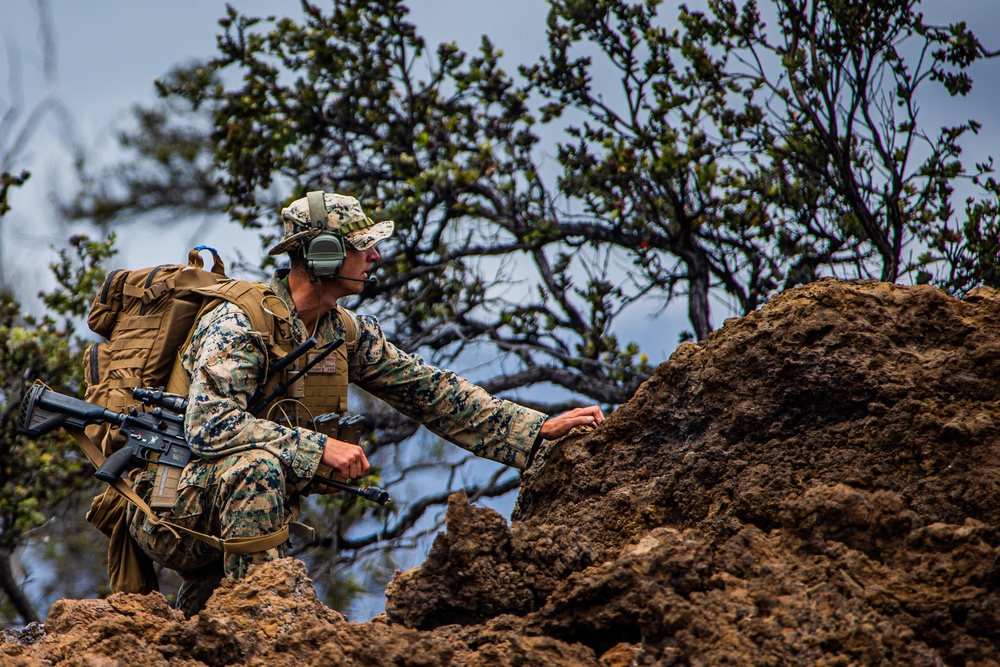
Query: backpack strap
{"type": "Point", "coordinates": [267, 315]}
{"type": "Point", "coordinates": [349, 319]}
{"type": "Point", "coordinates": [255, 299]}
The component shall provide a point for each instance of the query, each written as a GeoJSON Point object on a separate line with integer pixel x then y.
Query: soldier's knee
{"type": "Point", "coordinates": [257, 469]}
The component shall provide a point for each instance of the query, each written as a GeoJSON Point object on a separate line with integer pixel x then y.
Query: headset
{"type": "Point", "coordinates": [325, 253]}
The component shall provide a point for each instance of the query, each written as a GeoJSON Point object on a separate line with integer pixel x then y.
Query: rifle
{"type": "Point", "coordinates": [159, 431]}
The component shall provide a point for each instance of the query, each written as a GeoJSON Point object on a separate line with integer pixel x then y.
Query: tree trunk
{"type": "Point", "coordinates": [699, 310]}
{"type": "Point", "coordinates": [15, 594]}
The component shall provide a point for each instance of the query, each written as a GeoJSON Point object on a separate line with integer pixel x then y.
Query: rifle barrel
{"type": "Point", "coordinates": [372, 493]}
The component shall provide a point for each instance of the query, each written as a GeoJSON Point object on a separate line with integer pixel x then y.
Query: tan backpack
{"type": "Point", "coordinates": [146, 315]}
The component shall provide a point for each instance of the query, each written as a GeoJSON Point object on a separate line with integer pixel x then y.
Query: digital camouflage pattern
{"type": "Point", "coordinates": [248, 467]}
{"type": "Point", "coordinates": [343, 215]}
{"type": "Point", "coordinates": [239, 495]}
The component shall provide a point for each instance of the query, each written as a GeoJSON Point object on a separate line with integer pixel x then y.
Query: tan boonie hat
{"type": "Point", "coordinates": [343, 215]}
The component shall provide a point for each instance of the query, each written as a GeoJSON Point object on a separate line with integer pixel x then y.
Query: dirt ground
{"type": "Point", "coordinates": [816, 484]}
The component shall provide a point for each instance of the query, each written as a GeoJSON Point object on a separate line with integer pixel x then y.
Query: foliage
{"type": "Point", "coordinates": [728, 156]}
{"type": "Point", "coordinates": [177, 174]}
{"type": "Point", "coordinates": [39, 475]}
{"type": "Point", "coordinates": [842, 112]}
{"type": "Point", "coordinates": [758, 162]}
{"type": "Point", "coordinates": [8, 181]}
{"type": "Point", "coordinates": [36, 474]}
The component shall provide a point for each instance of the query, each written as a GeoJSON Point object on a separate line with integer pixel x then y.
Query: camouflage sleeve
{"type": "Point", "coordinates": [226, 364]}
{"type": "Point", "coordinates": [448, 405]}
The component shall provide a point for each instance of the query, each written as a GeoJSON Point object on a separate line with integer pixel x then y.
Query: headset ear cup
{"type": "Point", "coordinates": [325, 255]}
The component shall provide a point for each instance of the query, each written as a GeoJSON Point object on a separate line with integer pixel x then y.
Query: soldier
{"type": "Point", "coordinates": [247, 467]}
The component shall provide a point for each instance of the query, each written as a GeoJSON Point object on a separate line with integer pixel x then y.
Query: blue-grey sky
{"type": "Point", "coordinates": [106, 62]}
{"type": "Point", "coordinates": [107, 57]}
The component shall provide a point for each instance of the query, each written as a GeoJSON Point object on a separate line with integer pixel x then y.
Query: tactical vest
{"type": "Point", "coordinates": [318, 401]}
{"type": "Point", "coordinates": [322, 391]}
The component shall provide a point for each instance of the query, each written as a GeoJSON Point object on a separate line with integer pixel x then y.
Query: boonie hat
{"type": "Point", "coordinates": [343, 215]}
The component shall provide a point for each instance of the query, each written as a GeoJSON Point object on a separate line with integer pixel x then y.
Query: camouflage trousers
{"type": "Point", "coordinates": [241, 495]}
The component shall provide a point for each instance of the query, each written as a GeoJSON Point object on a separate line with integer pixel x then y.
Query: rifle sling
{"type": "Point", "coordinates": [236, 545]}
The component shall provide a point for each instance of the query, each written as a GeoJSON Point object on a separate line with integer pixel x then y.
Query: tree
{"type": "Point", "coordinates": [843, 112]}
{"type": "Point", "coordinates": [722, 163]}
{"type": "Point", "coordinates": [175, 176]}
{"type": "Point", "coordinates": [39, 475]}
{"type": "Point", "coordinates": [19, 120]}
{"type": "Point", "coordinates": [763, 163]}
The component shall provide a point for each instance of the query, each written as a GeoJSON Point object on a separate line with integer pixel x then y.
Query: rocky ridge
{"type": "Point", "coordinates": [816, 484]}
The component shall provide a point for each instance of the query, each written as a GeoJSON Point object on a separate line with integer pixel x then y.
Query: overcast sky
{"type": "Point", "coordinates": [107, 56]}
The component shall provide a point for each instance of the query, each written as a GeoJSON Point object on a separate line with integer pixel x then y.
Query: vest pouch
{"type": "Point", "coordinates": [165, 485]}
{"type": "Point", "coordinates": [328, 425]}
{"type": "Point", "coordinates": [332, 425]}
{"type": "Point", "coordinates": [174, 328]}
{"type": "Point", "coordinates": [325, 384]}
{"type": "Point", "coordinates": [350, 428]}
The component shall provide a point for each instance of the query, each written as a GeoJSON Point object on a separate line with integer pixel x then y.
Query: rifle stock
{"type": "Point", "coordinates": [43, 410]}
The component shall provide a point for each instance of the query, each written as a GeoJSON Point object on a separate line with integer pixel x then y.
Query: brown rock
{"type": "Point", "coordinates": [816, 484]}
{"type": "Point", "coordinates": [480, 569]}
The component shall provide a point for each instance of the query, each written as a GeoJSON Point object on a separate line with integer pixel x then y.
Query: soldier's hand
{"type": "Point", "coordinates": [558, 426]}
{"type": "Point", "coordinates": [347, 460]}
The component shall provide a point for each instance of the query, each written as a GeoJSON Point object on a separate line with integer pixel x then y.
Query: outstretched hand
{"type": "Point", "coordinates": [558, 426]}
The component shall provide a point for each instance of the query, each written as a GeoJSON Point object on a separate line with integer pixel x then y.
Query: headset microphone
{"type": "Point", "coordinates": [372, 282]}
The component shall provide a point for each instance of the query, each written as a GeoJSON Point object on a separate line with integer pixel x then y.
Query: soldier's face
{"type": "Point", "coordinates": [358, 264]}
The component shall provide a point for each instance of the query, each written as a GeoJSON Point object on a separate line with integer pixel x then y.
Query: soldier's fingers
{"type": "Point", "coordinates": [558, 426]}
{"type": "Point", "coordinates": [584, 420]}
{"type": "Point", "coordinates": [362, 464]}
{"type": "Point", "coordinates": [347, 459]}
{"type": "Point", "coordinates": [593, 411]}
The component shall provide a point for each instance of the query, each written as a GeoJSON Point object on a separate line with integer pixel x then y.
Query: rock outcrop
{"type": "Point", "coordinates": [814, 484]}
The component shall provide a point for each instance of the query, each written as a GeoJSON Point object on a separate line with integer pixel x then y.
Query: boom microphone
{"type": "Point", "coordinates": [371, 282]}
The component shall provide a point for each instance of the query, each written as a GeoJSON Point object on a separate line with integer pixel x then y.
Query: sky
{"type": "Point", "coordinates": [107, 60]}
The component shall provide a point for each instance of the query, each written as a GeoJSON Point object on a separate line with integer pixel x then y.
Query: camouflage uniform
{"type": "Point", "coordinates": [246, 468]}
